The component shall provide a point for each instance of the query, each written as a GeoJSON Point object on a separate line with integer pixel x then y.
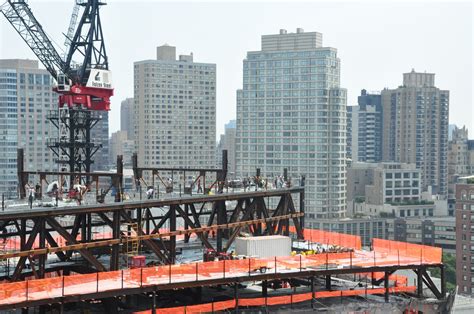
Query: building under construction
{"type": "Point", "coordinates": [179, 247]}
{"type": "Point", "coordinates": [181, 253]}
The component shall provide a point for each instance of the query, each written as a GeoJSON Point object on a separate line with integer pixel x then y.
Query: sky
{"type": "Point", "coordinates": [377, 41]}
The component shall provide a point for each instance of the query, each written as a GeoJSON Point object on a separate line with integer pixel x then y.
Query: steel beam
{"type": "Point", "coordinates": [84, 252]}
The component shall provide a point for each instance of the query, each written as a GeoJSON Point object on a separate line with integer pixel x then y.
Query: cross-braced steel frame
{"type": "Point", "coordinates": [225, 215]}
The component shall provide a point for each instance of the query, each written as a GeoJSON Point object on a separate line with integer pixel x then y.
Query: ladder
{"type": "Point", "coordinates": [132, 246]}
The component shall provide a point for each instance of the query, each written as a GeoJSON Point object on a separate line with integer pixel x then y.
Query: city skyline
{"type": "Point", "coordinates": [390, 47]}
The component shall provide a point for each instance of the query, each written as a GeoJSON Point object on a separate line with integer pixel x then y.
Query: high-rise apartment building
{"type": "Point", "coordinates": [460, 157]}
{"type": "Point", "coordinates": [175, 111]}
{"type": "Point", "coordinates": [26, 97]}
{"type": "Point", "coordinates": [464, 239]}
{"type": "Point", "coordinates": [291, 113]}
{"type": "Point", "coordinates": [365, 128]}
{"type": "Point", "coordinates": [127, 117]}
{"type": "Point", "coordinates": [227, 141]}
{"type": "Point", "coordinates": [415, 120]}
{"type": "Point", "coordinates": [100, 135]}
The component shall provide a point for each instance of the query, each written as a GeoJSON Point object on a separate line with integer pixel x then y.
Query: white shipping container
{"type": "Point", "coordinates": [263, 246]}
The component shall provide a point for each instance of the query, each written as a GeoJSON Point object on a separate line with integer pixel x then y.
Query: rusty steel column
{"type": "Point", "coordinates": [89, 227]}
{"type": "Point", "coordinates": [443, 281]}
{"type": "Point", "coordinates": [236, 297]}
{"type": "Point", "coordinates": [119, 179]}
{"type": "Point", "coordinates": [22, 234]}
{"type": "Point", "coordinates": [225, 162]}
{"type": "Point", "coordinates": [386, 275]}
{"type": "Point", "coordinates": [42, 244]}
{"type": "Point", "coordinates": [419, 282]}
{"type": "Point", "coordinates": [221, 220]}
{"type": "Point", "coordinates": [328, 282]}
{"type": "Point", "coordinates": [115, 254]}
{"type": "Point", "coordinates": [172, 248]}
{"type": "Point", "coordinates": [20, 168]}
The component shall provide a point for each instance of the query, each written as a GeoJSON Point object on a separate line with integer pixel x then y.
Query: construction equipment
{"type": "Point", "coordinates": [84, 85]}
{"type": "Point", "coordinates": [211, 255]}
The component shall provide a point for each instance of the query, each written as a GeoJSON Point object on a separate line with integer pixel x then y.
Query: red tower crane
{"type": "Point", "coordinates": [84, 85]}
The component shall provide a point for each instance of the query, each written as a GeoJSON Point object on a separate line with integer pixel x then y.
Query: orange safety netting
{"type": "Point", "coordinates": [277, 300]}
{"type": "Point", "coordinates": [385, 253]}
{"type": "Point", "coordinates": [161, 275]}
{"type": "Point", "coordinates": [424, 253]}
{"type": "Point", "coordinates": [331, 238]}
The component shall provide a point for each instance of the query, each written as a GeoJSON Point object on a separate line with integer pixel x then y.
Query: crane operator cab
{"type": "Point", "coordinates": [64, 84]}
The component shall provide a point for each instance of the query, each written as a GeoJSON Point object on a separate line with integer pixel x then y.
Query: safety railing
{"type": "Point", "coordinates": [275, 300]}
{"type": "Point", "coordinates": [384, 254]}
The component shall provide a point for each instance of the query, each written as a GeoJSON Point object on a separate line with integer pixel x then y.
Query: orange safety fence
{"type": "Point", "coordinates": [331, 238]}
{"type": "Point", "coordinates": [385, 253]}
{"type": "Point", "coordinates": [159, 275]}
{"type": "Point", "coordinates": [271, 301]}
{"type": "Point", "coordinates": [424, 253]}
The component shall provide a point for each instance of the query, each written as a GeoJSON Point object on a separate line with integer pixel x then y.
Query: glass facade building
{"type": "Point", "coordinates": [291, 113]}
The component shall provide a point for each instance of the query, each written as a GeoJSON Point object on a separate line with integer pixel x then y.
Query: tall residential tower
{"type": "Point", "coordinates": [291, 113]}
{"type": "Point", "coordinates": [175, 111]}
{"type": "Point", "coordinates": [26, 97]}
{"type": "Point", "coordinates": [415, 119]}
{"type": "Point", "coordinates": [365, 128]}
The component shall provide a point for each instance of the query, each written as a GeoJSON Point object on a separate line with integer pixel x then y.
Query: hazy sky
{"type": "Point", "coordinates": [376, 42]}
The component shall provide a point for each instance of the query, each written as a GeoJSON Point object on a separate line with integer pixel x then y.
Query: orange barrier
{"type": "Point", "coordinates": [331, 238]}
{"type": "Point", "coordinates": [425, 253]}
{"type": "Point", "coordinates": [385, 253]}
{"type": "Point", "coordinates": [271, 301]}
{"type": "Point", "coordinates": [159, 275]}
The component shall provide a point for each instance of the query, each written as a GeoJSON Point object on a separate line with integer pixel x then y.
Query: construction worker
{"type": "Point", "coordinates": [199, 190]}
{"type": "Point", "coordinates": [149, 192]}
{"type": "Point", "coordinates": [31, 195]}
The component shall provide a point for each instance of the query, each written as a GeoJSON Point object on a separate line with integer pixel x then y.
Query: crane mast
{"type": "Point", "coordinates": [84, 85]}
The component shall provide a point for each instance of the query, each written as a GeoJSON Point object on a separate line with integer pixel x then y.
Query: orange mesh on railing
{"type": "Point", "coordinates": [331, 238]}
{"type": "Point", "coordinates": [277, 300]}
{"type": "Point", "coordinates": [422, 253]}
{"type": "Point", "coordinates": [385, 253]}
